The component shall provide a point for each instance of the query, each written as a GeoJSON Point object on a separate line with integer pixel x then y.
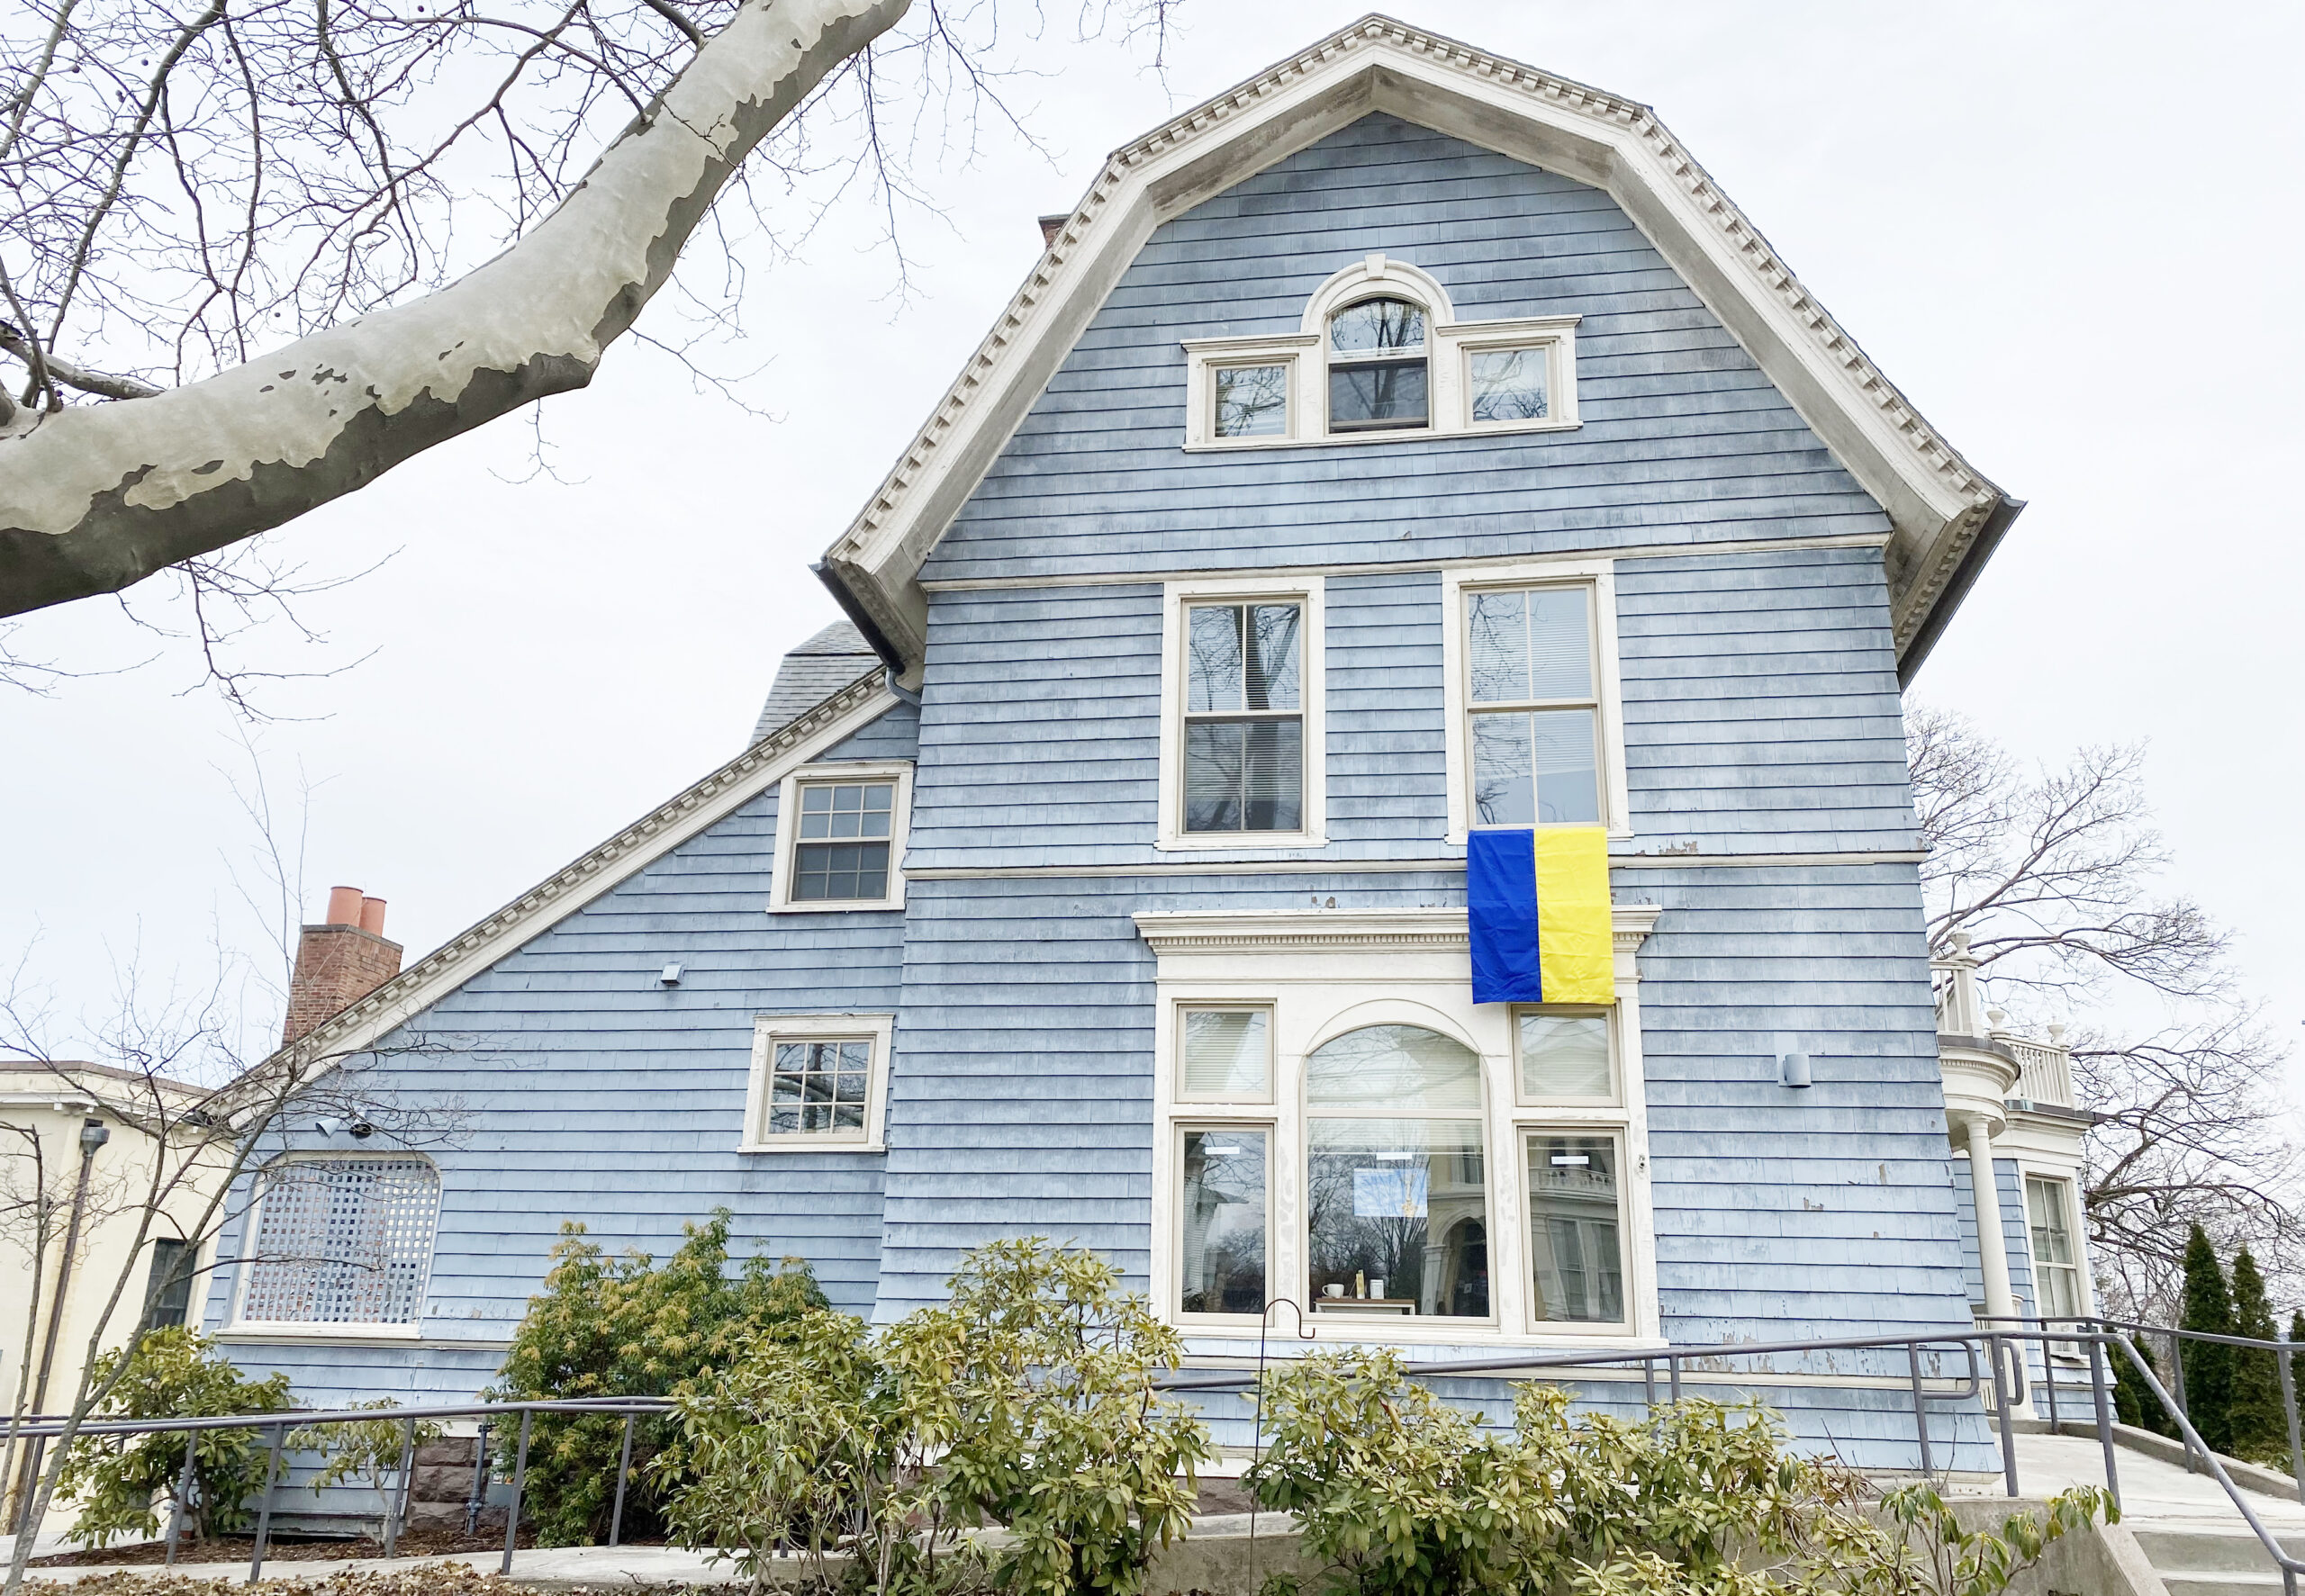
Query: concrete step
{"type": "Point", "coordinates": [2214, 1562]}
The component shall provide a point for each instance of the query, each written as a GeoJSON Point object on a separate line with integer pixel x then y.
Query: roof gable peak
{"type": "Point", "coordinates": [1946, 515]}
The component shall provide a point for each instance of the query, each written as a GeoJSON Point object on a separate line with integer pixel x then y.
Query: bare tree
{"type": "Point", "coordinates": [253, 253]}
{"type": "Point", "coordinates": [2055, 878]}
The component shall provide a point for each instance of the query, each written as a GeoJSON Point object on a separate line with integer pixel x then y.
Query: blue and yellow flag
{"type": "Point", "coordinates": [1537, 902]}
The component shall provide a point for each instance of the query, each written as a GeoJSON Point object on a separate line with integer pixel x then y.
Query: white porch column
{"type": "Point", "coordinates": [1993, 1241]}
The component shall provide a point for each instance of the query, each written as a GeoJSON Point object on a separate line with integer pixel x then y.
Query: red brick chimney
{"type": "Point", "coordinates": [340, 963]}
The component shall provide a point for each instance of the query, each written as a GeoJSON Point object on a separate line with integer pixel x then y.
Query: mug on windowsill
{"type": "Point", "coordinates": [1333, 1290]}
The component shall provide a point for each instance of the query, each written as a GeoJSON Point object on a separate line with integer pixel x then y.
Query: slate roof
{"type": "Point", "coordinates": [813, 672]}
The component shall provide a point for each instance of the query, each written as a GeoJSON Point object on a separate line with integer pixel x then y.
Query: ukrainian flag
{"type": "Point", "coordinates": [1538, 904]}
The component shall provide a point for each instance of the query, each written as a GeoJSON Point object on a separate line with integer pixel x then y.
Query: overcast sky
{"type": "Point", "coordinates": [2069, 232]}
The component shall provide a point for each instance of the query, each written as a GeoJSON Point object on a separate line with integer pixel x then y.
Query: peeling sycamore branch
{"type": "Point", "coordinates": [95, 497]}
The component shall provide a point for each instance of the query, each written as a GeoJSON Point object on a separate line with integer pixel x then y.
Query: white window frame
{"type": "Point", "coordinates": [1599, 577]}
{"type": "Point", "coordinates": [768, 1029]}
{"type": "Point", "coordinates": [2069, 1199]}
{"type": "Point", "coordinates": [1329, 972]}
{"type": "Point", "coordinates": [1449, 346]}
{"type": "Point", "coordinates": [1170, 834]}
{"type": "Point", "coordinates": [788, 832]}
{"type": "Point", "coordinates": [253, 1229]}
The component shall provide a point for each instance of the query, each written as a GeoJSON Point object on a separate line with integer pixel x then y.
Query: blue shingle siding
{"type": "Point", "coordinates": [893, 735]}
{"type": "Point", "coordinates": [1684, 440]}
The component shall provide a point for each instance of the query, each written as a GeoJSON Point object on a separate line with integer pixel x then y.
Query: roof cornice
{"type": "Point", "coordinates": [695, 810]}
{"type": "Point", "coordinates": [1934, 498]}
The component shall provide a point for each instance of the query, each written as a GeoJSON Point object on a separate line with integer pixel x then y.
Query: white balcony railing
{"type": "Point", "coordinates": [2044, 1068]}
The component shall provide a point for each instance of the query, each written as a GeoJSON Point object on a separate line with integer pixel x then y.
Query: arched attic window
{"type": "Point", "coordinates": [1379, 354]}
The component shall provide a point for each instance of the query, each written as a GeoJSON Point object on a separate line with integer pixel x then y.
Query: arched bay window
{"type": "Point", "coordinates": [1397, 1184]}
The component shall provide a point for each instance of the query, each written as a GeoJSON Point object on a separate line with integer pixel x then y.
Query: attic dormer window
{"type": "Point", "coordinates": [1378, 377]}
{"type": "Point", "coordinates": [1380, 357]}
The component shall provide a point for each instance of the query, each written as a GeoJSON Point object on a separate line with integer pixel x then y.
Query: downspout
{"type": "Point", "coordinates": [93, 1134]}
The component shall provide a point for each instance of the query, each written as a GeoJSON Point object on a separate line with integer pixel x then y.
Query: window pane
{"type": "Point", "coordinates": [818, 1087]}
{"type": "Point", "coordinates": [167, 1288]}
{"type": "Point", "coordinates": [1505, 789]}
{"type": "Point", "coordinates": [1573, 1219]}
{"type": "Point", "coordinates": [832, 872]}
{"type": "Point", "coordinates": [1373, 395]}
{"type": "Point", "coordinates": [1223, 1198]}
{"type": "Point", "coordinates": [1273, 673]}
{"type": "Point", "coordinates": [1252, 401]}
{"type": "Point", "coordinates": [1245, 775]}
{"type": "Point", "coordinates": [1376, 324]}
{"type": "Point", "coordinates": [1564, 1056]}
{"type": "Point", "coordinates": [1227, 1053]}
{"type": "Point", "coordinates": [1213, 658]}
{"type": "Point", "coordinates": [1560, 651]}
{"type": "Point", "coordinates": [1403, 1067]}
{"type": "Point", "coordinates": [1509, 384]}
{"type": "Point", "coordinates": [1568, 791]}
{"type": "Point", "coordinates": [1397, 1217]}
{"type": "Point", "coordinates": [846, 809]}
{"type": "Point", "coordinates": [1496, 646]}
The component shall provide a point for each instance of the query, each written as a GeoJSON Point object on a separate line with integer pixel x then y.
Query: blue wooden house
{"type": "Point", "coordinates": [1406, 442]}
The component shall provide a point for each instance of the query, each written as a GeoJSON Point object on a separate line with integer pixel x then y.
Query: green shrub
{"type": "Point", "coordinates": [1399, 1493]}
{"type": "Point", "coordinates": [362, 1451]}
{"type": "Point", "coordinates": [125, 1482]}
{"type": "Point", "coordinates": [630, 1327]}
{"type": "Point", "coordinates": [1031, 1393]}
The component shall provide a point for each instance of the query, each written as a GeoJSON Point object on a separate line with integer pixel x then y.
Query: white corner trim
{"type": "Point", "coordinates": [896, 771]}
{"type": "Point", "coordinates": [696, 809]}
{"type": "Point", "coordinates": [1600, 577]}
{"type": "Point", "coordinates": [1170, 834]}
{"type": "Point", "coordinates": [768, 1029]}
{"type": "Point", "coordinates": [1936, 502]}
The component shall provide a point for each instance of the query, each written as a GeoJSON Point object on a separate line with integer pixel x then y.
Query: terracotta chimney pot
{"type": "Point", "coordinates": [340, 962]}
{"type": "Point", "coordinates": [343, 905]}
{"type": "Point", "coordinates": [371, 915]}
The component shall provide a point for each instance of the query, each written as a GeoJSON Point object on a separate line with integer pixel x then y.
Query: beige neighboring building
{"type": "Point", "coordinates": [79, 1155]}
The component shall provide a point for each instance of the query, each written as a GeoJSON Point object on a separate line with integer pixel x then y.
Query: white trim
{"type": "Point", "coordinates": [768, 1029]}
{"type": "Point", "coordinates": [1327, 972]}
{"type": "Point", "coordinates": [1449, 344]}
{"type": "Point", "coordinates": [1726, 548]}
{"type": "Point", "coordinates": [1936, 500]}
{"type": "Point", "coordinates": [695, 810]}
{"type": "Point", "coordinates": [1377, 867]}
{"type": "Point", "coordinates": [1599, 576]}
{"type": "Point", "coordinates": [788, 806]}
{"type": "Point", "coordinates": [252, 1232]}
{"type": "Point", "coordinates": [1169, 832]}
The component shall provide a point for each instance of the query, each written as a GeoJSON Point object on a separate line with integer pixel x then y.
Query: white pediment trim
{"type": "Point", "coordinates": [697, 809]}
{"type": "Point", "coordinates": [1939, 505]}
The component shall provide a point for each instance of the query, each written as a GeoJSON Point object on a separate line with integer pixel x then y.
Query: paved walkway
{"type": "Point", "coordinates": [2152, 1492]}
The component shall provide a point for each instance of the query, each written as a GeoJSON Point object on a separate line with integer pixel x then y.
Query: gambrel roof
{"type": "Point", "coordinates": [1946, 516]}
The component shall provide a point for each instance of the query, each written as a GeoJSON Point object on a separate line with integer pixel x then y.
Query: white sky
{"type": "Point", "coordinates": [2068, 231]}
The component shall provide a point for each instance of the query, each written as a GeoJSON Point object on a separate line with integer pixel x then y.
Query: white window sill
{"type": "Point", "coordinates": [1204, 1331]}
{"type": "Point", "coordinates": [812, 1144]}
{"type": "Point", "coordinates": [286, 1330]}
{"type": "Point", "coordinates": [1202, 842]}
{"type": "Point", "coordinates": [1407, 435]}
{"type": "Point", "coordinates": [836, 906]}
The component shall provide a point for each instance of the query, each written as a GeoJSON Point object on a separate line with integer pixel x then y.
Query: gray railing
{"type": "Point", "coordinates": [1984, 1354]}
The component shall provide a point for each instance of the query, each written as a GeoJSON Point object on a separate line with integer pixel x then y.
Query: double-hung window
{"type": "Point", "coordinates": [1571, 1139]}
{"type": "Point", "coordinates": [1533, 734]}
{"type": "Point", "coordinates": [841, 830]}
{"type": "Point", "coordinates": [1224, 1054]}
{"type": "Point", "coordinates": [2056, 1261]}
{"type": "Point", "coordinates": [1241, 750]}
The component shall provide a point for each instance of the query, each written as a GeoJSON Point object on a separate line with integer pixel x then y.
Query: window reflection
{"type": "Point", "coordinates": [1224, 1261]}
{"type": "Point", "coordinates": [1574, 1220]}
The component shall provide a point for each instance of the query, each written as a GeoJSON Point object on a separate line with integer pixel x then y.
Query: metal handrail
{"type": "Point", "coordinates": [1986, 1346]}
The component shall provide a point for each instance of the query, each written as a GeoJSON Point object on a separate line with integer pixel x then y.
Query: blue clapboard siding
{"type": "Point", "coordinates": [1683, 438]}
{"type": "Point", "coordinates": [2016, 1237]}
{"type": "Point", "coordinates": [1023, 1104]}
{"type": "Point", "coordinates": [579, 1088]}
{"type": "Point", "coordinates": [1760, 708]}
